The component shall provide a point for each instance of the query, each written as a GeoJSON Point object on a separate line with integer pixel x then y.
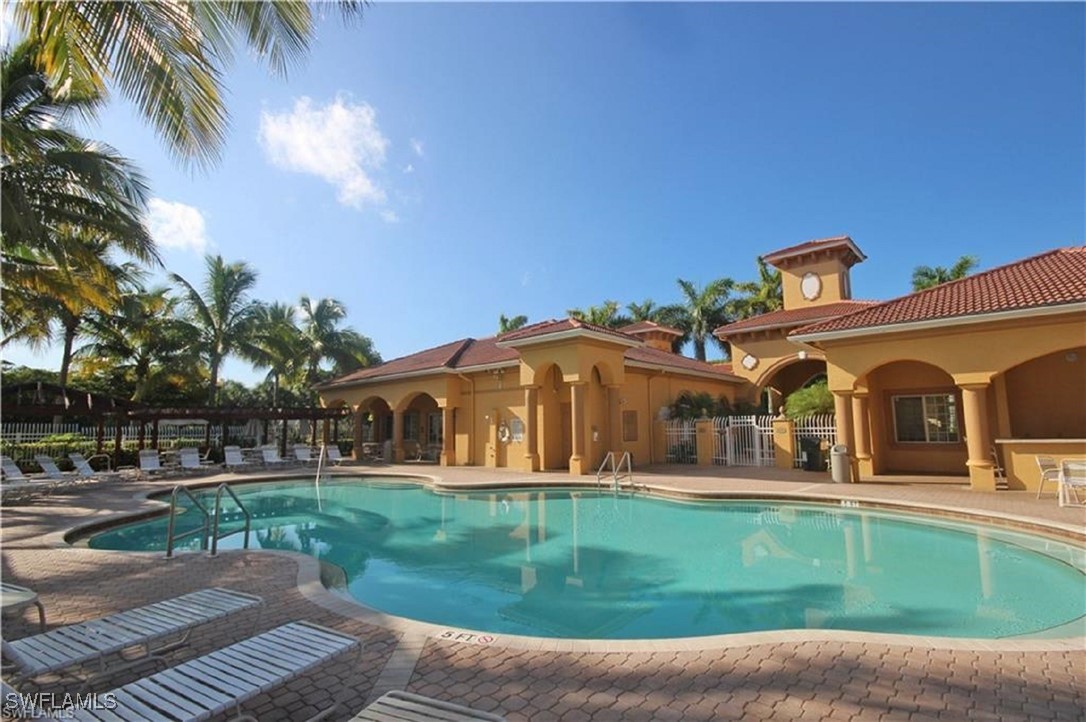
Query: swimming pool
{"type": "Point", "coordinates": [585, 564]}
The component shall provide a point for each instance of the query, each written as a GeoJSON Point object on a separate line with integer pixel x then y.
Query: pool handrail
{"type": "Point", "coordinates": [218, 512]}
{"type": "Point", "coordinates": [170, 536]}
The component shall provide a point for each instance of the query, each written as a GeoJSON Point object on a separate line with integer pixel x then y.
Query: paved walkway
{"type": "Point", "coordinates": [804, 677]}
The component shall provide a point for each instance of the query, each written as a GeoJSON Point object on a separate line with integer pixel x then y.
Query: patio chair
{"type": "Point", "coordinates": [155, 629]}
{"type": "Point", "coordinates": [16, 484]}
{"type": "Point", "coordinates": [224, 679]}
{"type": "Point", "coordinates": [233, 458]}
{"type": "Point", "coordinates": [1072, 479]}
{"type": "Point", "coordinates": [189, 459]}
{"type": "Point", "coordinates": [997, 470]}
{"type": "Point", "coordinates": [151, 463]}
{"type": "Point", "coordinates": [52, 472]}
{"type": "Point", "coordinates": [271, 457]}
{"type": "Point", "coordinates": [303, 454]}
{"type": "Point", "coordinates": [1050, 471]}
{"type": "Point", "coordinates": [331, 453]}
{"type": "Point", "coordinates": [86, 471]}
{"type": "Point", "coordinates": [397, 705]}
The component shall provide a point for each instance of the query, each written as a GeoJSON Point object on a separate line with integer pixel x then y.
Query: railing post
{"type": "Point", "coordinates": [784, 441]}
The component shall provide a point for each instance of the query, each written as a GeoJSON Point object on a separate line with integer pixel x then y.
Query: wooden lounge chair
{"type": "Point", "coordinates": [398, 705]}
{"type": "Point", "coordinates": [224, 679]}
{"type": "Point", "coordinates": [154, 629]}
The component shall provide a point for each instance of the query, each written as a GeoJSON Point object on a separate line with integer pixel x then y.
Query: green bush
{"type": "Point", "coordinates": [808, 401]}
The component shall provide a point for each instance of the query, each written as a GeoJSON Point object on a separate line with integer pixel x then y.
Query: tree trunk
{"type": "Point", "coordinates": [213, 392]}
{"type": "Point", "coordinates": [699, 349]}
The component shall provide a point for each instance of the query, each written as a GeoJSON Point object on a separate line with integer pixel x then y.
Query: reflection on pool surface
{"type": "Point", "coordinates": [582, 564]}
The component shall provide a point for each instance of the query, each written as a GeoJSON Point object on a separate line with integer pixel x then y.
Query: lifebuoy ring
{"type": "Point", "coordinates": [503, 433]}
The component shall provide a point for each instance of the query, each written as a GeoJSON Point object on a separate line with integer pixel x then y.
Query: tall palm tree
{"type": "Point", "coordinates": [927, 276]}
{"type": "Point", "coordinates": [606, 314]}
{"type": "Point", "coordinates": [323, 340]}
{"type": "Point", "coordinates": [647, 310]}
{"type": "Point", "coordinates": [761, 296]}
{"type": "Point", "coordinates": [702, 312]}
{"type": "Point", "coordinates": [277, 344]}
{"type": "Point", "coordinates": [223, 315]}
{"type": "Point", "coordinates": [505, 324]}
{"type": "Point", "coordinates": [143, 341]}
{"type": "Point", "coordinates": [168, 58]}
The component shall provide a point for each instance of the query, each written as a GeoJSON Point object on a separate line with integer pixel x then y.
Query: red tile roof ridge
{"type": "Point", "coordinates": [646, 325]}
{"type": "Point", "coordinates": [553, 325]}
{"type": "Point", "coordinates": [805, 315]}
{"type": "Point", "coordinates": [944, 289]}
{"type": "Point", "coordinates": [809, 245]}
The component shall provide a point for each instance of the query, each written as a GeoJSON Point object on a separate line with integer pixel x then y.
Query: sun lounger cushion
{"type": "Point", "coordinates": [219, 681]}
{"type": "Point", "coordinates": [78, 643]}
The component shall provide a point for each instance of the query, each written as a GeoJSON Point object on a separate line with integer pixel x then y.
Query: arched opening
{"type": "Point", "coordinates": [789, 378]}
{"type": "Point", "coordinates": [555, 422]}
{"type": "Point", "coordinates": [597, 424]}
{"type": "Point", "coordinates": [1045, 396]}
{"type": "Point", "coordinates": [372, 428]}
{"type": "Point", "coordinates": [422, 428]}
{"type": "Point", "coordinates": [915, 420]}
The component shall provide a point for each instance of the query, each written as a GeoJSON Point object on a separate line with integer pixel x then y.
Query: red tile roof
{"type": "Point", "coordinates": [656, 357]}
{"type": "Point", "coordinates": [793, 317]}
{"type": "Point", "coordinates": [553, 326]}
{"type": "Point", "coordinates": [443, 356]}
{"type": "Point", "coordinates": [820, 244]}
{"type": "Point", "coordinates": [1054, 278]}
{"type": "Point", "coordinates": [645, 326]}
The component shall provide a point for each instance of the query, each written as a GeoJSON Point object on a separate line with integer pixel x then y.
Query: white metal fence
{"type": "Point", "coordinates": [682, 442]}
{"type": "Point", "coordinates": [743, 441]}
{"type": "Point", "coordinates": [820, 428]}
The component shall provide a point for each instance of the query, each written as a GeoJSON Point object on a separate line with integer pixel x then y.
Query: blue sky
{"type": "Point", "coordinates": [438, 165]}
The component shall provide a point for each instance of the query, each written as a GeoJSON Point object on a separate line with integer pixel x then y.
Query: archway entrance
{"type": "Point", "coordinates": [555, 421]}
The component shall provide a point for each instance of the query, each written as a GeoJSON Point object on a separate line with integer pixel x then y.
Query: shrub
{"type": "Point", "coordinates": [808, 401]}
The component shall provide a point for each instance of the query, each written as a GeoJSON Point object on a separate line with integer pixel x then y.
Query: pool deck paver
{"type": "Point", "coordinates": [775, 677]}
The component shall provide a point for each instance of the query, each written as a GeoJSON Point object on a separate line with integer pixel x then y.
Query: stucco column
{"type": "Point", "coordinates": [397, 435]}
{"type": "Point", "coordinates": [978, 438]}
{"type": "Point", "coordinates": [614, 423]}
{"type": "Point", "coordinates": [577, 459]}
{"type": "Point", "coordinates": [448, 437]}
{"type": "Point", "coordinates": [862, 429]}
{"type": "Point", "coordinates": [357, 434]}
{"type": "Point", "coordinates": [842, 407]}
{"type": "Point", "coordinates": [531, 435]}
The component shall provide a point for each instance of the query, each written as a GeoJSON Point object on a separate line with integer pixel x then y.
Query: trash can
{"type": "Point", "coordinates": [811, 448]}
{"type": "Point", "coordinates": [839, 464]}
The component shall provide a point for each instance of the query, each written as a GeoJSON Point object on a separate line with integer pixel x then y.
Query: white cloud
{"type": "Point", "coordinates": [338, 142]}
{"type": "Point", "coordinates": [416, 145]}
{"type": "Point", "coordinates": [389, 216]}
{"type": "Point", "coordinates": [409, 168]}
{"type": "Point", "coordinates": [176, 225]}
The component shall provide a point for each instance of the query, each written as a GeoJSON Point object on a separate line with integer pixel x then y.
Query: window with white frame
{"type": "Point", "coordinates": [926, 419]}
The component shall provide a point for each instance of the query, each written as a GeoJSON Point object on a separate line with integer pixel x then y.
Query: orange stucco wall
{"type": "Point", "coordinates": [833, 273]}
{"type": "Point", "coordinates": [1038, 392]}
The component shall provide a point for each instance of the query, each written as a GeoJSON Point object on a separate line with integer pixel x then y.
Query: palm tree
{"type": "Point", "coordinates": [644, 311]}
{"type": "Point", "coordinates": [505, 324]}
{"type": "Point", "coordinates": [168, 58]}
{"type": "Point", "coordinates": [277, 344]}
{"type": "Point", "coordinates": [143, 341]}
{"type": "Point", "coordinates": [323, 340]}
{"type": "Point", "coordinates": [926, 276]}
{"type": "Point", "coordinates": [223, 315]}
{"type": "Point", "coordinates": [703, 312]}
{"type": "Point", "coordinates": [761, 296]}
{"type": "Point", "coordinates": [606, 314]}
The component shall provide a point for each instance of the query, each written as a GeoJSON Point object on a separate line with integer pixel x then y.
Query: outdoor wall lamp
{"type": "Point", "coordinates": [802, 355]}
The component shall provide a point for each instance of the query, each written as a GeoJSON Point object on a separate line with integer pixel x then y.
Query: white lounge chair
{"type": "Point", "coordinates": [86, 471]}
{"type": "Point", "coordinates": [1072, 480]}
{"type": "Point", "coordinates": [189, 458]}
{"type": "Point", "coordinates": [331, 453]}
{"type": "Point", "coordinates": [303, 454]}
{"type": "Point", "coordinates": [234, 459]}
{"type": "Point", "coordinates": [156, 629]}
{"type": "Point", "coordinates": [1050, 471]}
{"type": "Point", "coordinates": [271, 457]}
{"type": "Point", "coordinates": [16, 484]}
{"type": "Point", "coordinates": [151, 463]}
{"type": "Point", "coordinates": [397, 705]}
{"type": "Point", "coordinates": [52, 471]}
{"type": "Point", "coordinates": [224, 679]}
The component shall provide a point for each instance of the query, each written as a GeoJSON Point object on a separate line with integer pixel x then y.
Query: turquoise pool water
{"type": "Point", "coordinates": [582, 564]}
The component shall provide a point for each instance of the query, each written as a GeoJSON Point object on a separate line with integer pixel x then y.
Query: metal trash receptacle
{"type": "Point", "coordinates": [811, 448]}
{"type": "Point", "coordinates": [839, 464]}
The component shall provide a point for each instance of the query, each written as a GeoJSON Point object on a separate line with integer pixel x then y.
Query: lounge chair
{"type": "Point", "coordinates": [1072, 480]}
{"type": "Point", "coordinates": [189, 459]}
{"type": "Point", "coordinates": [303, 454]}
{"type": "Point", "coordinates": [331, 453]}
{"type": "Point", "coordinates": [156, 628]}
{"type": "Point", "coordinates": [234, 459]}
{"type": "Point", "coordinates": [224, 679]}
{"type": "Point", "coordinates": [86, 471]}
{"type": "Point", "coordinates": [1050, 471]}
{"type": "Point", "coordinates": [271, 456]}
{"type": "Point", "coordinates": [397, 705]}
{"type": "Point", "coordinates": [16, 484]}
{"type": "Point", "coordinates": [151, 463]}
{"type": "Point", "coordinates": [52, 472]}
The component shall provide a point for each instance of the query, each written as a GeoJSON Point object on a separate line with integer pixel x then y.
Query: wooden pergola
{"type": "Point", "coordinates": [43, 400]}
